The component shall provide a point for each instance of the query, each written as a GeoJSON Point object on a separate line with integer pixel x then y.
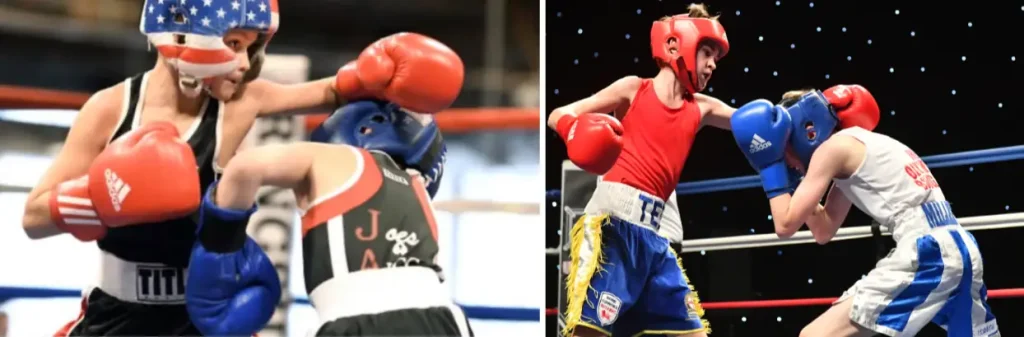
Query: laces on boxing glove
{"type": "Point", "coordinates": [222, 230]}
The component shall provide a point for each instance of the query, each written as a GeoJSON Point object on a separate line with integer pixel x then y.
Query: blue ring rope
{"type": "Point", "coordinates": [472, 311]}
{"type": "Point", "coordinates": [937, 161]}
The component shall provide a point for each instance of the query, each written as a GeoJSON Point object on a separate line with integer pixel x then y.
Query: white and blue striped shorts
{"type": "Point", "coordinates": [936, 277]}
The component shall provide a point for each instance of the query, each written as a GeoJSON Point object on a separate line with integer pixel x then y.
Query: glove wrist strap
{"type": "Point", "coordinates": [72, 211]}
{"type": "Point", "coordinates": [222, 230]}
{"type": "Point", "coordinates": [775, 179]}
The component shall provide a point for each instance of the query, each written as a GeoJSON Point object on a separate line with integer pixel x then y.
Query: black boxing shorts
{"type": "Point", "coordinates": [133, 299]}
{"type": "Point", "coordinates": [106, 315]}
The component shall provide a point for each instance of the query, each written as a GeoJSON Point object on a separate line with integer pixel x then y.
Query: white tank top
{"type": "Point", "coordinates": [895, 187]}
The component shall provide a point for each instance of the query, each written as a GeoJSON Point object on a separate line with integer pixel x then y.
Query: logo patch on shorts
{"type": "Point", "coordinates": [608, 308]}
{"type": "Point", "coordinates": [691, 306]}
{"type": "Point", "coordinates": [987, 329]}
{"type": "Point", "coordinates": [160, 284]}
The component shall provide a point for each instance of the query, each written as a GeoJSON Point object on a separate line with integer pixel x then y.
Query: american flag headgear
{"type": "Point", "coordinates": [189, 34]}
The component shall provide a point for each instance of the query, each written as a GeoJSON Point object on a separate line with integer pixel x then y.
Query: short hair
{"type": "Point", "coordinates": [695, 10]}
{"type": "Point", "coordinates": [792, 96]}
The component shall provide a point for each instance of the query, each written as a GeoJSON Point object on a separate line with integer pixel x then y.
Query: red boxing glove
{"type": "Point", "coordinates": [412, 70]}
{"type": "Point", "coordinates": [147, 175]}
{"type": "Point", "coordinates": [854, 106]}
{"type": "Point", "coordinates": [593, 141]}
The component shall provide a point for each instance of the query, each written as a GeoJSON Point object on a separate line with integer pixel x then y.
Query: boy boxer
{"type": "Point", "coordinates": [641, 286]}
{"type": "Point", "coordinates": [369, 237]}
{"type": "Point", "coordinates": [934, 273]}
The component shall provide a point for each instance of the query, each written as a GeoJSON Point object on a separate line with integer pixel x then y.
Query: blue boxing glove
{"type": "Point", "coordinates": [232, 287]}
{"type": "Point", "coordinates": [761, 130]}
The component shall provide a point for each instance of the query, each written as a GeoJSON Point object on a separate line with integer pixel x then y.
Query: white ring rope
{"type": "Point", "coordinates": [467, 206]}
{"type": "Point", "coordinates": [975, 223]}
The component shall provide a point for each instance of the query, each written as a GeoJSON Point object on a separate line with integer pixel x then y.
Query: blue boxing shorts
{"type": "Point", "coordinates": [624, 279]}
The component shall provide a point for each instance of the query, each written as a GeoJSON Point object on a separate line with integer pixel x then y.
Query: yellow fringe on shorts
{"type": "Point", "coordinates": [696, 298]}
{"type": "Point", "coordinates": [578, 281]}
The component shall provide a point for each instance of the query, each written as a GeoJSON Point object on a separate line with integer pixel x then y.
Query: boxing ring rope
{"type": "Point", "coordinates": [454, 120]}
{"type": "Point", "coordinates": [936, 161]}
{"type": "Point", "coordinates": [806, 302]}
{"type": "Point", "coordinates": [985, 222]}
{"type": "Point", "coordinates": [975, 223]}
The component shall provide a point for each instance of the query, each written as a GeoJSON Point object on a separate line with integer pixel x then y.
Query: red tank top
{"type": "Point", "coordinates": [656, 142]}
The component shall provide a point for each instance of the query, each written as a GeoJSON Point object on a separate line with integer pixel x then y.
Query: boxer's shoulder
{"type": "Point", "coordinates": [333, 166]}
{"type": "Point", "coordinates": [703, 99]}
{"type": "Point", "coordinates": [256, 88]}
{"type": "Point", "coordinates": [327, 156]}
{"type": "Point", "coordinates": [626, 88]}
{"type": "Point", "coordinates": [840, 144]}
{"type": "Point", "coordinates": [107, 100]}
{"type": "Point", "coordinates": [245, 105]}
{"type": "Point", "coordinates": [707, 103]}
{"type": "Point", "coordinates": [103, 109]}
{"type": "Point", "coordinates": [628, 85]}
{"type": "Point", "coordinates": [840, 154]}
{"type": "Point", "coordinates": [263, 98]}
{"type": "Point", "coordinates": [331, 154]}
{"type": "Point", "coordinates": [242, 111]}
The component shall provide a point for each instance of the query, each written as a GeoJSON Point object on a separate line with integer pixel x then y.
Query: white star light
{"type": "Point", "coordinates": [159, 19]}
{"type": "Point", "coordinates": [174, 9]}
{"type": "Point", "coordinates": [262, 25]}
{"type": "Point", "coordinates": [234, 23]}
{"type": "Point", "coordinates": [151, 9]}
{"type": "Point", "coordinates": [235, 4]}
{"type": "Point", "coordinates": [207, 3]}
{"type": "Point", "coordinates": [160, 2]}
{"type": "Point", "coordinates": [221, 13]}
{"type": "Point", "coordinates": [251, 15]}
{"type": "Point", "coordinates": [193, 10]}
{"type": "Point", "coordinates": [263, 7]}
{"type": "Point", "coordinates": [206, 21]}
{"type": "Point", "coordinates": [183, 2]}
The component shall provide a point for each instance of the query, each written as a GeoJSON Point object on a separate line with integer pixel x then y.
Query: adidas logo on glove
{"type": "Point", "coordinates": [759, 144]}
{"type": "Point", "coordinates": [117, 189]}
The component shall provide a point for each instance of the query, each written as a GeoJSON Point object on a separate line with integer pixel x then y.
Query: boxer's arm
{"type": "Point", "coordinates": [716, 113]}
{"type": "Point", "coordinates": [278, 99]}
{"type": "Point", "coordinates": [827, 219]}
{"type": "Point", "coordinates": [87, 137]}
{"type": "Point", "coordinates": [790, 212]}
{"type": "Point", "coordinates": [283, 165]}
{"type": "Point", "coordinates": [607, 100]}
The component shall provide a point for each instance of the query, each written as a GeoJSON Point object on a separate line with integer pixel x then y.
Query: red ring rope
{"type": "Point", "coordinates": [803, 302]}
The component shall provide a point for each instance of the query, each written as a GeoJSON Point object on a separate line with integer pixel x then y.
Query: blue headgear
{"type": "Point", "coordinates": [412, 140]}
{"type": "Point", "coordinates": [810, 110]}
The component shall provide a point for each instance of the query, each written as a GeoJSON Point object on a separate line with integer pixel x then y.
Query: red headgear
{"type": "Point", "coordinates": [689, 33]}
